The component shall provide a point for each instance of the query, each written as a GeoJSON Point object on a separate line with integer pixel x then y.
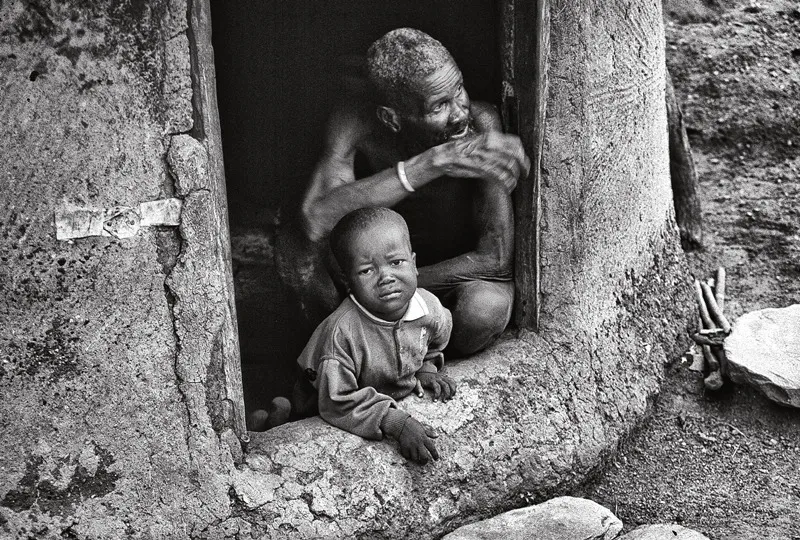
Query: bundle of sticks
{"type": "Point", "coordinates": [712, 327]}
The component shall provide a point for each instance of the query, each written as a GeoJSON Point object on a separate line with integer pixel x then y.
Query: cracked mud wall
{"type": "Point", "coordinates": [116, 410]}
{"type": "Point", "coordinates": [122, 417]}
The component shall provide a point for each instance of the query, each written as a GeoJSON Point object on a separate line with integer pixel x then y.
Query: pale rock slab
{"type": "Point", "coordinates": [662, 532]}
{"type": "Point", "coordinates": [562, 518]}
{"type": "Point", "coordinates": [763, 351]}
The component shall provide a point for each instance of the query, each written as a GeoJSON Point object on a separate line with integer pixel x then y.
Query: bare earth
{"type": "Point", "coordinates": [727, 464]}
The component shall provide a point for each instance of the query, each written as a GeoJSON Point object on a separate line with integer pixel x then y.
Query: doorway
{"type": "Point", "coordinates": [280, 67]}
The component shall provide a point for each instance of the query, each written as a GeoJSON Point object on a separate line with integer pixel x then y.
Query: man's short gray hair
{"type": "Point", "coordinates": [399, 60]}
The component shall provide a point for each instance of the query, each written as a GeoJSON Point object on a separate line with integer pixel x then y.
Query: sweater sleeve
{"type": "Point", "coordinates": [362, 411]}
{"type": "Point", "coordinates": [439, 337]}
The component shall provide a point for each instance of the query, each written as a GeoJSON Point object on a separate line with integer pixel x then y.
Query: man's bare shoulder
{"type": "Point", "coordinates": [350, 123]}
{"type": "Point", "coordinates": [486, 117]}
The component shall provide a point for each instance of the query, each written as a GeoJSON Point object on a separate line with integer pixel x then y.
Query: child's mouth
{"type": "Point", "coordinates": [391, 295]}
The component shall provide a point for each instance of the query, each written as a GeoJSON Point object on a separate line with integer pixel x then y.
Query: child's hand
{"type": "Point", "coordinates": [416, 442]}
{"type": "Point", "coordinates": [441, 385]}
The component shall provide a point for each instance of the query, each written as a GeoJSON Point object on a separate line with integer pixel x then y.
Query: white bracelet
{"type": "Point", "coordinates": [401, 174]}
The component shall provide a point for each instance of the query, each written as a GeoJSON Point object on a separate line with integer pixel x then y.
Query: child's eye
{"type": "Point", "coordinates": [364, 271]}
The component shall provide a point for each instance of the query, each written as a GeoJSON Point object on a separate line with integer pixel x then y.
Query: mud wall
{"type": "Point", "coordinates": [112, 346]}
{"type": "Point", "coordinates": [605, 191]}
{"type": "Point", "coordinates": [119, 356]}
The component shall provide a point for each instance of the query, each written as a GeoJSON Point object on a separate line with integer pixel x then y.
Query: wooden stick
{"type": "Point", "coordinates": [683, 175]}
{"type": "Point", "coordinates": [713, 341]}
{"type": "Point", "coordinates": [719, 289]}
{"type": "Point", "coordinates": [713, 308]}
{"type": "Point", "coordinates": [713, 333]}
{"type": "Point", "coordinates": [711, 360]}
{"type": "Point", "coordinates": [719, 352]}
{"type": "Point", "coordinates": [701, 305]}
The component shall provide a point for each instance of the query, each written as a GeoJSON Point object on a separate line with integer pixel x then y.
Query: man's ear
{"type": "Point", "coordinates": [389, 118]}
{"type": "Point", "coordinates": [414, 261]}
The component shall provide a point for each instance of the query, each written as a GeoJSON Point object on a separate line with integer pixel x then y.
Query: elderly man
{"type": "Point", "coordinates": [439, 160]}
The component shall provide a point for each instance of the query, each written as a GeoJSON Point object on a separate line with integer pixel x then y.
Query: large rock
{"type": "Point", "coordinates": [764, 351]}
{"type": "Point", "coordinates": [563, 518]}
{"type": "Point", "coordinates": [662, 532]}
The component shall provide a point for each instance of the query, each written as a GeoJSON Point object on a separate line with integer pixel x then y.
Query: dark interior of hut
{"type": "Point", "coordinates": [280, 67]}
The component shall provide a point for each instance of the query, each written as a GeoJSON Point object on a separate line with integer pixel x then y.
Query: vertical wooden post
{"type": "Point", "coordinates": [684, 177]}
{"type": "Point", "coordinates": [207, 130]}
{"type": "Point", "coordinates": [526, 44]}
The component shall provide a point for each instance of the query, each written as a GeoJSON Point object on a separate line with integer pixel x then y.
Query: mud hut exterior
{"type": "Point", "coordinates": [122, 405]}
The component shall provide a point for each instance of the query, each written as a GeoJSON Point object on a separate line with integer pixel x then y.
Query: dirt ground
{"type": "Point", "coordinates": [727, 464]}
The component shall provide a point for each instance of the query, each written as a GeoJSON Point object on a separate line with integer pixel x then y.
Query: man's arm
{"type": "Point", "coordinates": [493, 256]}
{"type": "Point", "coordinates": [333, 191]}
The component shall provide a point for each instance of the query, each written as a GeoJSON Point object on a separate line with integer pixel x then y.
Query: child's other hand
{"type": "Point", "coordinates": [441, 385]}
{"type": "Point", "coordinates": [416, 442]}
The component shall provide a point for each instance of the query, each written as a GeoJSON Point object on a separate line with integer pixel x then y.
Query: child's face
{"type": "Point", "coordinates": [383, 271]}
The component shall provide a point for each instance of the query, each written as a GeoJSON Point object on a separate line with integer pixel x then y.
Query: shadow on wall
{"type": "Point", "coordinates": [280, 67]}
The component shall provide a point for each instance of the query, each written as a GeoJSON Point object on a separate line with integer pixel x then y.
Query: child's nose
{"type": "Point", "coordinates": [386, 276]}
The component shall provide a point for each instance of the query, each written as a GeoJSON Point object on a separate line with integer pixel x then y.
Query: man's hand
{"type": "Point", "coordinates": [441, 385]}
{"type": "Point", "coordinates": [490, 156]}
{"type": "Point", "coordinates": [416, 442]}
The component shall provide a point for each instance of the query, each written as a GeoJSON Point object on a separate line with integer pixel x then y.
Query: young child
{"type": "Point", "coordinates": [384, 341]}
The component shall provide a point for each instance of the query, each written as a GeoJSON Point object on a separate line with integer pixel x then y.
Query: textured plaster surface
{"type": "Point", "coordinates": [533, 416]}
{"type": "Point", "coordinates": [606, 188]}
{"type": "Point", "coordinates": [106, 430]}
{"type": "Point", "coordinates": [111, 349]}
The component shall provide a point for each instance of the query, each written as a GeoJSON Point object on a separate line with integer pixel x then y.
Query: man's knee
{"type": "Point", "coordinates": [301, 267]}
{"type": "Point", "coordinates": [481, 311]}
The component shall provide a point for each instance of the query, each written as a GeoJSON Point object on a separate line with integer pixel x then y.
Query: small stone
{"type": "Point", "coordinates": [763, 351]}
{"type": "Point", "coordinates": [662, 532]}
{"type": "Point", "coordinates": [713, 381]}
{"type": "Point", "coordinates": [562, 518]}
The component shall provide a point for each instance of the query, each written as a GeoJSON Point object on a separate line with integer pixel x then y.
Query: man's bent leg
{"type": "Point", "coordinates": [481, 311]}
{"type": "Point", "coordinates": [302, 269]}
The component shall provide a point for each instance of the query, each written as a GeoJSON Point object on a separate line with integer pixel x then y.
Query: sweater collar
{"type": "Point", "coordinates": [417, 308]}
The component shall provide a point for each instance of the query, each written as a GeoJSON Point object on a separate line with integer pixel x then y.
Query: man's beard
{"type": "Point", "coordinates": [417, 140]}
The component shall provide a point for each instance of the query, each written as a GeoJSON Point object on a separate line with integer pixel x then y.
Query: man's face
{"type": "Point", "coordinates": [383, 272]}
{"type": "Point", "coordinates": [439, 111]}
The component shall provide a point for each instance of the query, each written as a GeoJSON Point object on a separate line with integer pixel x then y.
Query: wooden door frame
{"type": "Point", "coordinates": [524, 48]}
{"type": "Point", "coordinates": [524, 32]}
